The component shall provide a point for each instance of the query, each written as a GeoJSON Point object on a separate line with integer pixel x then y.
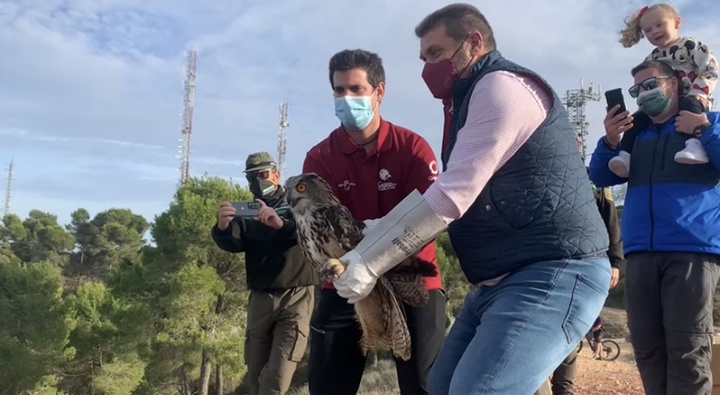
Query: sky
{"type": "Point", "coordinates": [91, 90]}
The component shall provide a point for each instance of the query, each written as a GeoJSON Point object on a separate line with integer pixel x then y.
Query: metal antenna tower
{"type": "Point", "coordinates": [8, 189]}
{"type": "Point", "coordinates": [575, 101]}
{"type": "Point", "coordinates": [189, 102]}
{"type": "Point", "coordinates": [282, 137]}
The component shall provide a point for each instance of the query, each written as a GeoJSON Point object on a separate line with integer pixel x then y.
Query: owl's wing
{"type": "Point", "coordinates": [344, 227]}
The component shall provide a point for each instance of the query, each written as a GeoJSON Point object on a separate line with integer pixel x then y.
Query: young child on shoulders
{"type": "Point", "coordinates": [692, 60]}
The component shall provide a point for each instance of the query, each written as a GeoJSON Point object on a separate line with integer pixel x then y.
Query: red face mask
{"type": "Point", "coordinates": [439, 78]}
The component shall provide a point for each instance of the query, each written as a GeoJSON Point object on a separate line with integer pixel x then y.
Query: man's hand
{"type": "Point", "coordinates": [357, 281]}
{"type": "Point", "coordinates": [268, 216]}
{"type": "Point", "coordinates": [614, 277]}
{"type": "Point", "coordinates": [225, 215]}
{"type": "Point", "coordinates": [687, 121]}
{"type": "Point", "coordinates": [616, 124]}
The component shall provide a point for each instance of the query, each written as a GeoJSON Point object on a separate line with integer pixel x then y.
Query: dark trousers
{"type": "Point", "coordinates": [276, 336]}
{"type": "Point", "coordinates": [563, 378]}
{"type": "Point", "coordinates": [669, 299]}
{"type": "Point", "coordinates": [641, 121]}
{"type": "Point", "coordinates": [336, 363]}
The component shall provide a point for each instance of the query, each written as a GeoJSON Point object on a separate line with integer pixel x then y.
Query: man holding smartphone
{"type": "Point", "coordinates": [279, 278]}
{"type": "Point", "coordinates": [671, 237]}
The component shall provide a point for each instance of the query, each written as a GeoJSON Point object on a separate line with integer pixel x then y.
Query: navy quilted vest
{"type": "Point", "coordinates": [539, 206]}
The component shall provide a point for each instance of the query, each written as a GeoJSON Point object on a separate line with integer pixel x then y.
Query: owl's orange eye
{"type": "Point", "coordinates": [301, 187]}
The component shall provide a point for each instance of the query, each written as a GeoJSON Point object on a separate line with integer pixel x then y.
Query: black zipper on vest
{"type": "Point", "coordinates": [650, 189]}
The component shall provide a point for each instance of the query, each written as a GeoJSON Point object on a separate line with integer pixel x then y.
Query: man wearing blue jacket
{"type": "Point", "coordinates": [671, 233]}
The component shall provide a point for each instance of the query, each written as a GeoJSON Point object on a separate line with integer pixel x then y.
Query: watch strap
{"type": "Point", "coordinates": [700, 129]}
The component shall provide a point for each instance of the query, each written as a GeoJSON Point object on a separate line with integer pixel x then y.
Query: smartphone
{"type": "Point", "coordinates": [246, 209]}
{"type": "Point", "coordinates": [615, 97]}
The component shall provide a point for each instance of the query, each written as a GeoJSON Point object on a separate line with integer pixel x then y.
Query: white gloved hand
{"type": "Point", "coordinates": [402, 232]}
{"type": "Point", "coordinates": [369, 224]}
{"type": "Point", "coordinates": [357, 281]}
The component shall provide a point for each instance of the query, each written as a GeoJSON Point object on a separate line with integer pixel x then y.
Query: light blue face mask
{"type": "Point", "coordinates": [355, 112]}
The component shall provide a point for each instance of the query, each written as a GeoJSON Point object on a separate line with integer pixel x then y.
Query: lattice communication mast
{"type": "Point", "coordinates": [575, 101]}
{"type": "Point", "coordinates": [8, 189]}
{"type": "Point", "coordinates": [189, 102]}
{"type": "Point", "coordinates": [282, 137]}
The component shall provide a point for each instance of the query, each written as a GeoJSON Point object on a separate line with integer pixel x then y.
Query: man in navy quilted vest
{"type": "Point", "coordinates": [671, 233]}
{"type": "Point", "coordinates": [519, 208]}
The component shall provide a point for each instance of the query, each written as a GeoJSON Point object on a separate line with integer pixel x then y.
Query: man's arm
{"type": "Point", "coordinates": [600, 174]}
{"type": "Point", "coordinates": [608, 211]}
{"type": "Point", "coordinates": [288, 228]}
{"type": "Point", "coordinates": [504, 111]}
{"type": "Point", "coordinates": [225, 240]}
{"type": "Point", "coordinates": [711, 139]}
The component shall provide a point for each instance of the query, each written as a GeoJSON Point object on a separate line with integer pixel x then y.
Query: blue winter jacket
{"type": "Point", "coordinates": [668, 206]}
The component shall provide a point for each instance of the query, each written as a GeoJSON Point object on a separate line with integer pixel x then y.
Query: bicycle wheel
{"type": "Point", "coordinates": [610, 350]}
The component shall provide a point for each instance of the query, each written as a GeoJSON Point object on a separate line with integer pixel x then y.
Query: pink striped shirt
{"type": "Point", "coordinates": [504, 110]}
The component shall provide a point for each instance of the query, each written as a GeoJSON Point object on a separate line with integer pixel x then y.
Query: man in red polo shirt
{"type": "Point", "coordinates": [371, 165]}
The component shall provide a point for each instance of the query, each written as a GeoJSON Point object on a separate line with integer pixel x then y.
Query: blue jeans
{"type": "Point", "coordinates": [508, 338]}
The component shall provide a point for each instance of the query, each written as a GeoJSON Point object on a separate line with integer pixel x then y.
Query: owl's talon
{"type": "Point", "coordinates": [332, 269]}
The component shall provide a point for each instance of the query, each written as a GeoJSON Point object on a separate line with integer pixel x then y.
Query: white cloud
{"type": "Point", "coordinates": [93, 88]}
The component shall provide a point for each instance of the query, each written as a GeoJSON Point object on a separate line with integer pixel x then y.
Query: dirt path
{"type": "Point", "coordinates": [601, 377]}
{"type": "Point", "coordinates": [617, 377]}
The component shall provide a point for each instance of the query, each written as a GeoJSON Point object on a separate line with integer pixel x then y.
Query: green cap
{"type": "Point", "coordinates": [259, 161]}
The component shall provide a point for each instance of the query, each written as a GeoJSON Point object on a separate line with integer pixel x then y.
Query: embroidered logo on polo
{"type": "Point", "coordinates": [384, 184]}
{"type": "Point", "coordinates": [346, 185]}
{"type": "Point", "coordinates": [433, 170]}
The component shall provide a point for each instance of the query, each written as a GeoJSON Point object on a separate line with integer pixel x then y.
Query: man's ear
{"type": "Point", "coordinates": [476, 41]}
{"type": "Point", "coordinates": [380, 91]}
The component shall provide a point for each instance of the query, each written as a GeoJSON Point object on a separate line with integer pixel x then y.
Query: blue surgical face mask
{"type": "Point", "coordinates": [355, 112]}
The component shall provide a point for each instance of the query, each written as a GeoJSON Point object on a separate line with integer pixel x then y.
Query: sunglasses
{"type": "Point", "coordinates": [648, 84]}
{"type": "Point", "coordinates": [259, 175]}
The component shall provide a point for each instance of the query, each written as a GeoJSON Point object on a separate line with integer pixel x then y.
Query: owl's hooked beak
{"type": "Point", "coordinates": [288, 198]}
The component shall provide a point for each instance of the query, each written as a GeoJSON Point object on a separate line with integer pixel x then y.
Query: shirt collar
{"type": "Point", "coordinates": [347, 146]}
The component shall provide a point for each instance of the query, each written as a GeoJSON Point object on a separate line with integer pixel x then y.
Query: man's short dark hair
{"type": "Point", "coordinates": [663, 67]}
{"type": "Point", "coordinates": [659, 65]}
{"type": "Point", "coordinates": [460, 20]}
{"type": "Point", "coordinates": [358, 59]}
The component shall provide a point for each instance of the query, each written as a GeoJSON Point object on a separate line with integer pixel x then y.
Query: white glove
{"type": "Point", "coordinates": [369, 224]}
{"type": "Point", "coordinates": [357, 281]}
{"type": "Point", "coordinates": [402, 232]}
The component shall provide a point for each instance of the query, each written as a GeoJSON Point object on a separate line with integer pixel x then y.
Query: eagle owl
{"type": "Point", "coordinates": [326, 231]}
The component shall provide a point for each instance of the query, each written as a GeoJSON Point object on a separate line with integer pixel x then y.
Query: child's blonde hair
{"type": "Point", "coordinates": [632, 34]}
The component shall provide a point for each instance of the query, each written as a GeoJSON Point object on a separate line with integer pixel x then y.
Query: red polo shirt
{"type": "Point", "coordinates": [371, 184]}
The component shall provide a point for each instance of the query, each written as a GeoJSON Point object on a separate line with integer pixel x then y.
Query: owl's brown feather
{"type": "Point", "coordinates": [326, 231]}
